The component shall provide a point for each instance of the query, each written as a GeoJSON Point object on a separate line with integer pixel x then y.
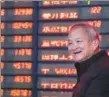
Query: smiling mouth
{"type": "Point", "coordinates": [77, 52]}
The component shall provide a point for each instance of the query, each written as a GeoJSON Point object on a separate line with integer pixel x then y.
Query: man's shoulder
{"type": "Point", "coordinates": [103, 64]}
{"type": "Point", "coordinates": [104, 59]}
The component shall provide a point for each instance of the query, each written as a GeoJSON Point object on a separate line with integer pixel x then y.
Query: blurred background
{"type": "Point", "coordinates": [34, 57]}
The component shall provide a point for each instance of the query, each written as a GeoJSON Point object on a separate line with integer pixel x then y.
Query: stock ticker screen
{"type": "Point", "coordinates": [34, 57]}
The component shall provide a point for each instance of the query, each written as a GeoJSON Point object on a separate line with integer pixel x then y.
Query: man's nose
{"type": "Point", "coordinates": [73, 46]}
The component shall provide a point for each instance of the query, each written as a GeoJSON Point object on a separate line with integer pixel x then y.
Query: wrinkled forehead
{"type": "Point", "coordinates": [86, 29]}
{"type": "Point", "coordinates": [76, 31]}
{"type": "Point", "coordinates": [77, 34]}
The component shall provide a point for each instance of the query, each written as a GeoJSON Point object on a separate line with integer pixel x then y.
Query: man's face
{"type": "Point", "coordinates": [79, 45]}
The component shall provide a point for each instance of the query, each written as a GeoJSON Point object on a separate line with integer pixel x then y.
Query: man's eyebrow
{"type": "Point", "coordinates": [79, 38]}
{"type": "Point", "coordinates": [69, 40]}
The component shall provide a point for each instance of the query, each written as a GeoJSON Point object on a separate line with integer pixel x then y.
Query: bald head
{"type": "Point", "coordinates": [90, 31]}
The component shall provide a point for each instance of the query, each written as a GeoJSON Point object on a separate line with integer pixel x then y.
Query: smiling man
{"type": "Point", "coordinates": [92, 64]}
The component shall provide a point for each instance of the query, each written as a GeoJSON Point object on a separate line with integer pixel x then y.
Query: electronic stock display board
{"type": "Point", "coordinates": [17, 50]}
{"type": "Point", "coordinates": [54, 72]}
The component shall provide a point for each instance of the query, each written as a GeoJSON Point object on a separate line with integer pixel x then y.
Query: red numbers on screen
{"type": "Point", "coordinates": [2, 39]}
{"type": "Point", "coordinates": [2, 52]}
{"type": "Point", "coordinates": [22, 79]}
{"type": "Point", "coordinates": [23, 11]}
{"type": "Point", "coordinates": [1, 79]}
{"type": "Point", "coordinates": [1, 92]}
{"type": "Point", "coordinates": [1, 65]}
{"type": "Point", "coordinates": [54, 43]}
{"type": "Point", "coordinates": [2, 26]}
{"type": "Point", "coordinates": [65, 71]}
{"type": "Point", "coordinates": [96, 10]}
{"type": "Point", "coordinates": [61, 15]}
{"type": "Point", "coordinates": [20, 92]}
{"type": "Point", "coordinates": [45, 70]}
{"type": "Point", "coordinates": [22, 25]}
{"type": "Point", "coordinates": [49, 3]}
{"type": "Point", "coordinates": [23, 52]}
{"type": "Point", "coordinates": [56, 57]}
{"type": "Point", "coordinates": [58, 85]}
{"type": "Point", "coordinates": [22, 65]}
{"type": "Point", "coordinates": [55, 29]}
{"type": "Point", "coordinates": [59, 71]}
{"type": "Point", "coordinates": [96, 23]}
{"type": "Point", "coordinates": [23, 39]}
{"type": "Point", "coordinates": [2, 12]}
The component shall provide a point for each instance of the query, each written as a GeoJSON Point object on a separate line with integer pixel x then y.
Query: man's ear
{"type": "Point", "coordinates": [95, 44]}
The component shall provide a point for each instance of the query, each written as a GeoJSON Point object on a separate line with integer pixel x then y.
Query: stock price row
{"type": "Point", "coordinates": [25, 82]}
{"type": "Point", "coordinates": [19, 41]}
{"type": "Point", "coordinates": [22, 68]}
{"type": "Point", "coordinates": [43, 55]}
{"type": "Point", "coordinates": [24, 28]}
{"type": "Point", "coordinates": [28, 93]}
{"type": "Point", "coordinates": [53, 3]}
{"type": "Point", "coordinates": [26, 14]}
{"type": "Point", "coordinates": [16, 93]}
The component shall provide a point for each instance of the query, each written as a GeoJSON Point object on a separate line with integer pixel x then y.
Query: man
{"type": "Point", "coordinates": [92, 64]}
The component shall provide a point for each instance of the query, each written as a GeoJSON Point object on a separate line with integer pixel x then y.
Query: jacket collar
{"type": "Point", "coordinates": [82, 67]}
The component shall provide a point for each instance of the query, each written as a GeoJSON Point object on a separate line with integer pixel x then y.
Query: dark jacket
{"type": "Point", "coordinates": [93, 77]}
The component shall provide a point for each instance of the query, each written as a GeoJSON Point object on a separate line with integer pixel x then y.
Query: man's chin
{"type": "Point", "coordinates": [78, 59]}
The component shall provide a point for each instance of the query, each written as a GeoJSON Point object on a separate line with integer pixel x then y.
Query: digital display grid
{"type": "Point", "coordinates": [17, 49]}
{"type": "Point", "coordinates": [55, 20]}
{"type": "Point", "coordinates": [53, 60]}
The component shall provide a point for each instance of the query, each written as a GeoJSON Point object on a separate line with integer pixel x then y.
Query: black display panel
{"type": "Point", "coordinates": [16, 93]}
{"type": "Point", "coordinates": [57, 3]}
{"type": "Point", "coordinates": [16, 81]}
{"type": "Point", "coordinates": [16, 54]}
{"type": "Point", "coordinates": [57, 42]}
{"type": "Point", "coordinates": [10, 4]}
{"type": "Point", "coordinates": [16, 41]}
{"type": "Point", "coordinates": [22, 14]}
{"type": "Point", "coordinates": [105, 41]}
{"type": "Point", "coordinates": [56, 83]}
{"type": "Point", "coordinates": [56, 69]}
{"type": "Point", "coordinates": [34, 44]}
{"type": "Point", "coordinates": [51, 41]}
{"type": "Point", "coordinates": [16, 28]}
{"type": "Point", "coordinates": [64, 27]}
{"type": "Point", "coordinates": [22, 68]}
{"type": "Point", "coordinates": [54, 94]}
{"type": "Point", "coordinates": [17, 48]}
{"type": "Point", "coordinates": [95, 12]}
{"type": "Point", "coordinates": [54, 55]}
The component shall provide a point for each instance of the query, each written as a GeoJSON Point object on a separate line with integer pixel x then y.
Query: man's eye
{"type": "Point", "coordinates": [79, 41]}
{"type": "Point", "coordinates": [69, 43]}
